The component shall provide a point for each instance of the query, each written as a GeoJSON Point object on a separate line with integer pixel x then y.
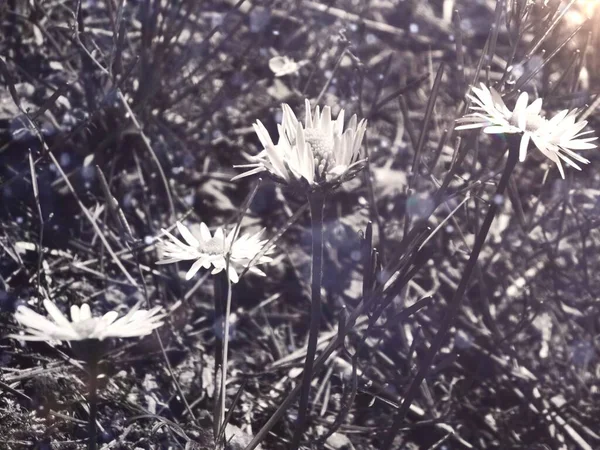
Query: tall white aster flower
{"type": "Point", "coordinates": [83, 326]}
{"type": "Point", "coordinates": [320, 152]}
{"type": "Point", "coordinates": [211, 250]}
{"type": "Point", "coordinates": [557, 138]}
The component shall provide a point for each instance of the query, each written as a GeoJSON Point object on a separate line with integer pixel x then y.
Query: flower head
{"type": "Point", "coordinates": [282, 65]}
{"type": "Point", "coordinates": [490, 111]}
{"type": "Point", "coordinates": [557, 138]}
{"type": "Point", "coordinates": [82, 326]}
{"type": "Point", "coordinates": [211, 250]}
{"type": "Point", "coordinates": [322, 152]}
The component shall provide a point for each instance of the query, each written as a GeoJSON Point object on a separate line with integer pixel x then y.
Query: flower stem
{"type": "Point", "coordinates": [93, 403]}
{"type": "Point", "coordinates": [224, 363]}
{"type": "Point", "coordinates": [456, 302]}
{"type": "Point", "coordinates": [316, 202]}
{"type": "Point", "coordinates": [221, 287]}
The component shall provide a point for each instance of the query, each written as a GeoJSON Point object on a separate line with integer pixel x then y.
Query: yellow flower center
{"type": "Point", "coordinates": [321, 144]}
{"type": "Point", "coordinates": [86, 327]}
{"type": "Point", "coordinates": [214, 246]}
{"type": "Point", "coordinates": [533, 122]}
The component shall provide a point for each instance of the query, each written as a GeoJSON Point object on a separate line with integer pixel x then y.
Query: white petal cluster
{"type": "Point", "coordinates": [283, 65]}
{"type": "Point", "coordinates": [320, 151]}
{"type": "Point", "coordinates": [211, 250]}
{"type": "Point", "coordinates": [82, 326]}
{"type": "Point", "coordinates": [557, 138]}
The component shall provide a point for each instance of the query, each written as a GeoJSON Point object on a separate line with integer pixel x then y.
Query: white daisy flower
{"type": "Point", "coordinates": [490, 110]}
{"type": "Point", "coordinates": [209, 250]}
{"type": "Point", "coordinates": [320, 152]}
{"type": "Point", "coordinates": [282, 65]}
{"type": "Point", "coordinates": [557, 138]}
{"type": "Point", "coordinates": [82, 326]}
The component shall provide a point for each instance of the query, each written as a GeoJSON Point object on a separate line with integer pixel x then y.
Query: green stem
{"type": "Point", "coordinates": [220, 299]}
{"type": "Point", "coordinates": [456, 302]}
{"type": "Point", "coordinates": [93, 403]}
{"type": "Point", "coordinates": [316, 202]}
{"type": "Point", "coordinates": [225, 351]}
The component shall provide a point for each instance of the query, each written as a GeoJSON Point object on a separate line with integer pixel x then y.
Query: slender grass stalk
{"type": "Point", "coordinates": [93, 402]}
{"type": "Point", "coordinates": [316, 202]}
{"type": "Point", "coordinates": [456, 302]}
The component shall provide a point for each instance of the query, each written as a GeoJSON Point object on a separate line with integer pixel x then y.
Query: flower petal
{"type": "Point", "coordinates": [308, 121]}
{"type": "Point", "coordinates": [187, 235]}
{"type": "Point", "coordinates": [75, 313]}
{"type": "Point", "coordinates": [325, 123]}
{"type": "Point", "coordinates": [535, 108]}
{"type": "Point", "coordinates": [263, 134]}
{"type": "Point", "coordinates": [339, 124]}
{"type": "Point", "coordinates": [523, 146]}
{"type": "Point", "coordinates": [233, 276]}
{"type": "Point", "coordinates": [194, 269]}
{"type": "Point", "coordinates": [56, 314]}
{"type": "Point", "coordinates": [110, 317]}
{"type": "Point", "coordinates": [519, 110]}
{"type": "Point", "coordinates": [85, 312]}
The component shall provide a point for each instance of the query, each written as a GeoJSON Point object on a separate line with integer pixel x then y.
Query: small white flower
{"type": "Point", "coordinates": [320, 152]}
{"type": "Point", "coordinates": [556, 138]}
{"type": "Point", "coordinates": [209, 250]}
{"type": "Point", "coordinates": [282, 65]}
{"type": "Point", "coordinates": [490, 110]}
{"type": "Point", "coordinates": [82, 326]}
